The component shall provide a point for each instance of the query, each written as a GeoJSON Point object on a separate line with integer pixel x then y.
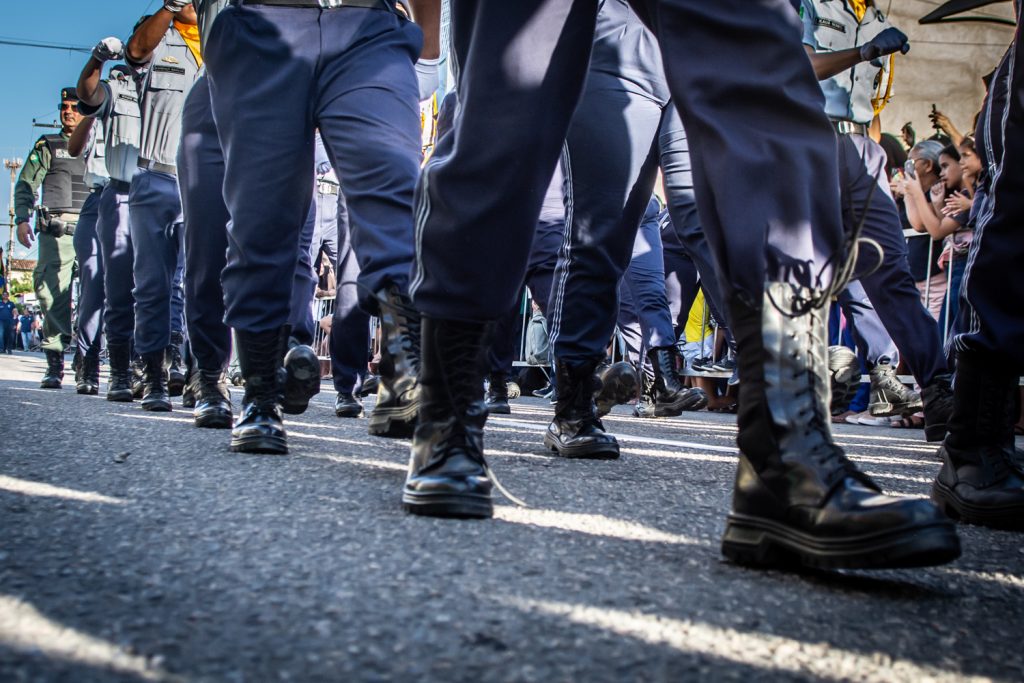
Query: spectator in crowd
{"type": "Point", "coordinates": [916, 187]}
{"type": "Point", "coordinates": [942, 123]}
{"type": "Point", "coordinates": [8, 318]}
{"type": "Point", "coordinates": [25, 324]}
{"type": "Point", "coordinates": [955, 204]}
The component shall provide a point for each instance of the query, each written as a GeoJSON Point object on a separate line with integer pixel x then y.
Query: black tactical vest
{"type": "Point", "coordinates": [64, 188]}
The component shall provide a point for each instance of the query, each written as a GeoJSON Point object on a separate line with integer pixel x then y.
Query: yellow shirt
{"type": "Point", "coordinates": [698, 319]}
{"type": "Point", "coordinates": [190, 33]}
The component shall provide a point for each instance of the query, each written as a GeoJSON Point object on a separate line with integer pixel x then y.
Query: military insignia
{"type": "Point", "coordinates": [170, 60]}
{"type": "Point", "coordinates": [33, 157]}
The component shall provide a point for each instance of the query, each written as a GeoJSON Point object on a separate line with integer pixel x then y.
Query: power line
{"type": "Point", "coordinates": [18, 42]}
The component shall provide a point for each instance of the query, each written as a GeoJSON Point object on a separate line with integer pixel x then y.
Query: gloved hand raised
{"type": "Point", "coordinates": [107, 49]}
{"type": "Point", "coordinates": [176, 5]}
{"type": "Point", "coordinates": [885, 43]}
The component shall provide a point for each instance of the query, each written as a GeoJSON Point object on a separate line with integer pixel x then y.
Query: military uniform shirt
{"type": "Point", "coordinates": [122, 126]}
{"type": "Point", "coordinates": [95, 160]}
{"type": "Point", "coordinates": [32, 174]}
{"type": "Point", "coordinates": [830, 27]}
{"type": "Point", "coordinates": [171, 71]}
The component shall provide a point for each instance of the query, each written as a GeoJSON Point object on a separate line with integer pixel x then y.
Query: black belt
{"type": "Point", "coordinates": [120, 186]}
{"type": "Point", "coordinates": [370, 4]}
{"type": "Point", "coordinates": [844, 127]}
{"type": "Point", "coordinates": [148, 165]}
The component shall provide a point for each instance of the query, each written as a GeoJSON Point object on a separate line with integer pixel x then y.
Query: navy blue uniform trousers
{"type": "Point", "coordinates": [278, 73]}
{"type": "Point", "coordinates": [350, 325]}
{"type": "Point", "coordinates": [118, 263]}
{"type": "Point", "coordinates": [90, 277]}
{"type": "Point", "coordinates": [890, 286]}
{"type": "Point", "coordinates": [201, 176]}
{"type": "Point", "coordinates": [746, 94]}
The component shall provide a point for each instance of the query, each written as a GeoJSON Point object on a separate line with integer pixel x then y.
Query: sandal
{"type": "Point", "coordinates": [915, 421]}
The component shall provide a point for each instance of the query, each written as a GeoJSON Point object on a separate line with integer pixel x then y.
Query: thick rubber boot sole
{"type": "Point", "coordinates": [349, 413]}
{"type": "Point", "coordinates": [157, 405]}
{"type": "Point", "coordinates": [215, 420]}
{"type": "Point", "coordinates": [397, 422]}
{"type": "Point", "coordinates": [499, 408]}
{"type": "Point", "coordinates": [1006, 517]}
{"type": "Point", "coordinates": [175, 385]}
{"type": "Point", "coordinates": [450, 505]}
{"type": "Point", "coordinates": [583, 451]}
{"type": "Point", "coordinates": [693, 400]}
{"type": "Point", "coordinates": [268, 445]}
{"type": "Point", "coordinates": [302, 383]}
{"type": "Point", "coordinates": [759, 542]}
{"type": "Point", "coordinates": [50, 384]}
{"type": "Point", "coordinates": [120, 395]}
{"type": "Point", "coordinates": [87, 389]}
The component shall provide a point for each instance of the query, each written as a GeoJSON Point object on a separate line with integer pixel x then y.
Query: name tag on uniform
{"type": "Point", "coordinates": [829, 23]}
{"type": "Point", "coordinates": [160, 68]}
{"type": "Point", "coordinates": [128, 98]}
{"type": "Point", "coordinates": [62, 154]}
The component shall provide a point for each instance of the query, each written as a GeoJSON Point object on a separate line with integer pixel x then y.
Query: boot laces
{"type": "Point", "coordinates": [844, 262]}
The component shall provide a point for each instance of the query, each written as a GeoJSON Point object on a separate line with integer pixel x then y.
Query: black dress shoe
{"type": "Point", "coordinates": [302, 378]}
{"type": "Point", "coordinates": [576, 431]}
{"type": "Point", "coordinates": [346, 405]}
{"type": "Point", "coordinates": [448, 476]}
{"type": "Point", "coordinates": [394, 415]}
{"type": "Point", "coordinates": [797, 499]}
{"type": "Point", "coordinates": [54, 370]}
{"type": "Point", "coordinates": [496, 398]}
{"type": "Point", "coordinates": [212, 408]}
{"type": "Point", "coordinates": [260, 426]}
{"type": "Point", "coordinates": [154, 394]}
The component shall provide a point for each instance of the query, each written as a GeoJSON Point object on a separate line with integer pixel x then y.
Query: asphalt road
{"type": "Point", "coordinates": [136, 547]}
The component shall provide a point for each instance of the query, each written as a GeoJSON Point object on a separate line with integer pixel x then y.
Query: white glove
{"type": "Point", "coordinates": [429, 76]}
{"type": "Point", "coordinates": [107, 49]}
{"type": "Point", "coordinates": [176, 5]}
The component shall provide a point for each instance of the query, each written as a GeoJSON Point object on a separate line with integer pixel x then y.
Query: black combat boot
{"type": "Point", "coordinates": [191, 391]}
{"type": "Point", "coordinates": [938, 407]}
{"type": "Point", "coordinates": [138, 376]}
{"type": "Point", "coordinates": [889, 396]}
{"type": "Point", "coordinates": [844, 376]}
{"type": "Point", "coordinates": [448, 476]}
{"type": "Point", "coordinates": [212, 407]}
{"type": "Point", "coordinates": [301, 378]}
{"type": "Point", "coordinates": [576, 431]}
{"type": "Point", "coordinates": [980, 481]}
{"type": "Point", "coordinates": [260, 427]}
{"type": "Point", "coordinates": [797, 498]}
{"type": "Point", "coordinates": [497, 395]}
{"type": "Point", "coordinates": [175, 369]}
{"type": "Point", "coordinates": [347, 405]}
{"type": "Point", "coordinates": [154, 394]}
{"type": "Point", "coordinates": [119, 388]}
{"type": "Point", "coordinates": [671, 396]}
{"type": "Point", "coordinates": [54, 370]}
{"type": "Point", "coordinates": [89, 375]}
{"type": "Point", "coordinates": [394, 415]}
{"type": "Point", "coordinates": [617, 385]}
{"type": "Point", "coordinates": [76, 367]}
{"type": "Point", "coordinates": [645, 405]}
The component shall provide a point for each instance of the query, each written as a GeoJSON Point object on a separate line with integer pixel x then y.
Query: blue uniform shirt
{"type": "Point", "coordinates": [832, 26]}
{"type": "Point", "coordinates": [8, 311]}
{"type": "Point", "coordinates": [26, 323]}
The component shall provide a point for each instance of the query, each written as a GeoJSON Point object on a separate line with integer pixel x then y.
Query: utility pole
{"type": "Point", "coordinates": [13, 165]}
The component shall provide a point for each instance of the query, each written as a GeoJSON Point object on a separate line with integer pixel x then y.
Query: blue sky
{"type": "Point", "coordinates": [33, 76]}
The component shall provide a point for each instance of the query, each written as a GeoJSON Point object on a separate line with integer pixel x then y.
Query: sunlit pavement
{"type": "Point", "coordinates": [136, 547]}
